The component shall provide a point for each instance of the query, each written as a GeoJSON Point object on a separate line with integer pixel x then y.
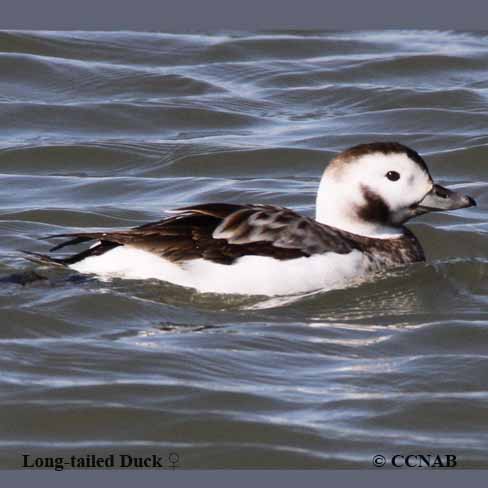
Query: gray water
{"type": "Point", "coordinates": [108, 130]}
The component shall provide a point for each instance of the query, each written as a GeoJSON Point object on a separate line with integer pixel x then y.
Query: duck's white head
{"type": "Point", "coordinates": [373, 189]}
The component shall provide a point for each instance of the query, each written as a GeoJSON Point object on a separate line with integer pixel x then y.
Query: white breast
{"type": "Point", "coordinates": [252, 275]}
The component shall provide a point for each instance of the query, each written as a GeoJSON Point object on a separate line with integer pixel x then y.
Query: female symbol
{"type": "Point", "coordinates": [174, 458]}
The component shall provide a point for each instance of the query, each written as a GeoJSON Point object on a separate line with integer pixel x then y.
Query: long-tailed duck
{"type": "Point", "coordinates": [366, 195]}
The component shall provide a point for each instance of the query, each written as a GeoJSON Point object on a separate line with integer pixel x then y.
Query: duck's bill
{"type": "Point", "coordinates": [441, 199]}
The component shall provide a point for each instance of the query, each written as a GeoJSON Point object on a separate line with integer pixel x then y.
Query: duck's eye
{"type": "Point", "coordinates": [393, 175]}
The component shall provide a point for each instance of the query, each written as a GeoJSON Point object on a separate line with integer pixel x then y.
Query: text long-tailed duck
{"type": "Point", "coordinates": [366, 195]}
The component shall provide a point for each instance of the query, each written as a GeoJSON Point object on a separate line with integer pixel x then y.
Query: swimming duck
{"type": "Point", "coordinates": [366, 195]}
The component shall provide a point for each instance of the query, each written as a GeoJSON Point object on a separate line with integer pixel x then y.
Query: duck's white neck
{"type": "Point", "coordinates": [336, 207]}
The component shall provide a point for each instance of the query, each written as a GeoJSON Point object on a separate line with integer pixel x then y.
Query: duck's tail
{"type": "Point", "coordinates": [97, 249]}
{"type": "Point", "coordinates": [38, 258]}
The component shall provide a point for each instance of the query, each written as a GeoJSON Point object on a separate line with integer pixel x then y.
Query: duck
{"type": "Point", "coordinates": [366, 195]}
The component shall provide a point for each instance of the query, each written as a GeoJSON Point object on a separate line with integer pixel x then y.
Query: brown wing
{"type": "Point", "coordinates": [222, 233]}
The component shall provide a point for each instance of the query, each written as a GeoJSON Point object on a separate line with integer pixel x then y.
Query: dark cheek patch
{"type": "Point", "coordinates": [375, 209]}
